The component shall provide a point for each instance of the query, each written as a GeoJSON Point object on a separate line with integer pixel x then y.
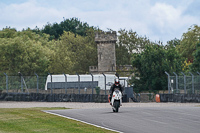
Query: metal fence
{"type": "Point", "coordinates": [22, 84]}
{"type": "Point", "coordinates": [184, 83]}
{"type": "Point", "coordinates": [46, 85]}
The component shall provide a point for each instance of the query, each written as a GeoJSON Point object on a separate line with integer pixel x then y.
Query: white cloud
{"type": "Point", "coordinates": [164, 14]}
{"type": "Point", "coordinates": [28, 14]}
{"type": "Point", "coordinates": [169, 21]}
{"type": "Point", "coordinates": [157, 20]}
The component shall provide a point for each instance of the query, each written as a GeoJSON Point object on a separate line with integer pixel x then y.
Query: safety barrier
{"type": "Point", "coordinates": [56, 97]}
{"type": "Point", "coordinates": [181, 98]}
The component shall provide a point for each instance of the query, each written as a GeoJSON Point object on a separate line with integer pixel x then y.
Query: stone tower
{"type": "Point", "coordinates": [106, 51]}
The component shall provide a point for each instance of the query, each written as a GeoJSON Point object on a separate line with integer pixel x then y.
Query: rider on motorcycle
{"type": "Point", "coordinates": [115, 85]}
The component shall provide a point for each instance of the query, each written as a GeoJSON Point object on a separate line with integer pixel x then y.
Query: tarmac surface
{"type": "Point", "coordinates": [180, 119]}
{"type": "Point", "coordinates": [77, 105]}
{"type": "Point", "coordinates": [131, 118]}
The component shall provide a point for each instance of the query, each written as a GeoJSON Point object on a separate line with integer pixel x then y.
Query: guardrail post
{"type": "Point", "coordinates": [65, 83]}
{"type": "Point", "coordinates": [37, 82]}
{"type": "Point", "coordinates": [78, 83]}
{"type": "Point", "coordinates": [6, 82]}
{"type": "Point", "coordinates": [184, 82]}
{"type": "Point", "coordinates": [176, 82]}
{"type": "Point", "coordinates": [169, 84]}
{"type": "Point", "coordinates": [192, 82]}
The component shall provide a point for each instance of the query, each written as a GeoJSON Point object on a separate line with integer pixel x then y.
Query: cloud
{"type": "Point", "coordinates": [170, 21]}
{"type": "Point", "coordinates": [156, 19]}
{"type": "Point", "coordinates": [164, 14]}
{"type": "Point", "coordinates": [28, 14]}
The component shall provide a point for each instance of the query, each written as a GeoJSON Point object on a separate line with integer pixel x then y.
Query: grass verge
{"type": "Point", "coordinates": [31, 120]}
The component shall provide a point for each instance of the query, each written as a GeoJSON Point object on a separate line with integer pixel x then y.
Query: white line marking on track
{"type": "Point", "coordinates": [82, 121]}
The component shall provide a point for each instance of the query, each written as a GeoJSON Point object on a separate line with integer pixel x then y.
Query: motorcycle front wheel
{"type": "Point", "coordinates": [116, 106]}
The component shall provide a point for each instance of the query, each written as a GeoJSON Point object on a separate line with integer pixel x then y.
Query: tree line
{"type": "Point", "coordinates": [69, 47]}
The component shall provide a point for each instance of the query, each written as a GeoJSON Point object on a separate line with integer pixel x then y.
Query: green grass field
{"type": "Point", "coordinates": [31, 120]}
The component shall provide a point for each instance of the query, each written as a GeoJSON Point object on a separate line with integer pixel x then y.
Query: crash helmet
{"type": "Point", "coordinates": [116, 82]}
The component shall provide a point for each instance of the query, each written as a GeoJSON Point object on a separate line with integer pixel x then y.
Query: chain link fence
{"type": "Point", "coordinates": [58, 88]}
{"type": "Point", "coordinates": [183, 84]}
{"type": "Point", "coordinates": [59, 84]}
{"type": "Point", "coordinates": [69, 86]}
{"type": "Point", "coordinates": [22, 84]}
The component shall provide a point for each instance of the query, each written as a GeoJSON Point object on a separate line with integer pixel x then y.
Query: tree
{"type": "Point", "coordinates": [195, 66]}
{"type": "Point", "coordinates": [188, 42]}
{"type": "Point", "coordinates": [122, 55]}
{"type": "Point", "coordinates": [23, 52]}
{"type": "Point", "coordinates": [8, 33]}
{"type": "Point", "coordinates": [132, 41]}
{"type": "Point", "coordinates": [175, 42]}
{"type": "Point", "coordinates": [129, 42]}
{"type": "Point", "coordinates": [73, 53]}
{"type": "Point", "coordinates": [150, 66]}
{"type": "Point", "coordinates": [60, 59]}
{"type": "Point", "coordinates": [72, 25]}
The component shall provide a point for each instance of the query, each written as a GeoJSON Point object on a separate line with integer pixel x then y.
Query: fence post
{"type": "Point", "coordinates": [78, 83]}
{"type": "Point", "coordinates": [65, 83]}
{"type": "Point", "coordinates": [192, 82]}
{"type": "Point", "coordinates": [23, 81]}
{"type": "Point", "coordinates": [184, 82]}
{"type": "Point", "coordinates": [51, 83]}
{"type": "Point", "coordinates": [37, 82]}
{"type": "Point", "coordinates": [20, 74]}
{"type": "Point", "coordinates": [6, 82]}
{"type": "Point", "coordinates": [198, 73]}
{"type": "Point", "coordinates": [117, 75]}
{"type": "Point", "coordinates": [169, 84]}
{"type": "Point", "coordinates": [105, 81]}
{"type": "Point", "coordinates": [92, 85]}
{"type": "Point", "coordinates": [92, 82]}
{"type": "Point", "coordinates": [176, 82]}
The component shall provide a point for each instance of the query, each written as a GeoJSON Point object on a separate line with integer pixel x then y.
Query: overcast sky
{"type": "Point", "coordinates": [161, 20]}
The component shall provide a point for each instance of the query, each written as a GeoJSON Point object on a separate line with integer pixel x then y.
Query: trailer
{"type": "Point", "coordinates": [102, 80]}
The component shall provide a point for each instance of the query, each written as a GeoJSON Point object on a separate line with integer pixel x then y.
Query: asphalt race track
{"type": "Point", "coordinates": [139, 119]}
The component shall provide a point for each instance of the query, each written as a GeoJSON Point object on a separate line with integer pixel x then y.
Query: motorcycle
{"type": "Point", "coordinates": [116, 100]}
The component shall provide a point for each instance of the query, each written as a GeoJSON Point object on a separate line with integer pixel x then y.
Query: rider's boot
{"type": "Point", "coordinates": [110, 100]}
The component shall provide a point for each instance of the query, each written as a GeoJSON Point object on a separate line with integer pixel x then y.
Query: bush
{"type": "Point", "coordinates": [97, 90]}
